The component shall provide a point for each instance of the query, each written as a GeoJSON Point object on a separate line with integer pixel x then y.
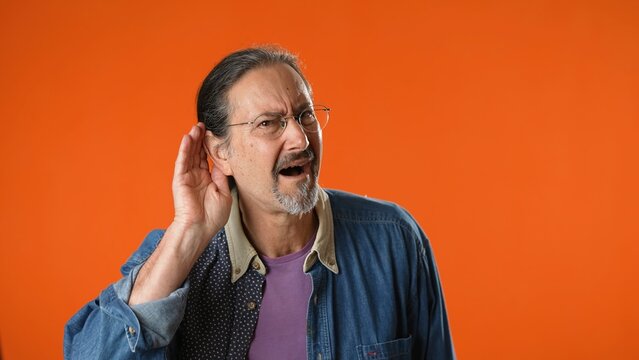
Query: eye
{"type": "Point", "coordinates": [266, 121]}
{"type": "Point", "coordinates": [265, 124]}
{"type": "Point", "coordinates": [307, 117]}
{"type": "Point", "coordinates": [268, 124]}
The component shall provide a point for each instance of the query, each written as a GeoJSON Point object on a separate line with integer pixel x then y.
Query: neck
{"type": "Point", "coordinates": [277, 234]}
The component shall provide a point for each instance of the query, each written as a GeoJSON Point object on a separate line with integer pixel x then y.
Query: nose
{"type": "Point", "coordinates": [295, 136]}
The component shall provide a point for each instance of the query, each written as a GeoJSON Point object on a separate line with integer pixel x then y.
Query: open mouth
{"type": "Point", "coordinates": [296, 165]}
{"type": "Point", "coordinates": [292, 171]}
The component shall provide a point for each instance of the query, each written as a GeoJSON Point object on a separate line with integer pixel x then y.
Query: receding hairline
{"type": "Point", "coordinates": [305, 90]}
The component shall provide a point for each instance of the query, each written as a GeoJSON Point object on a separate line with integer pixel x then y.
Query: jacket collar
{"type": "Point", "coordinates": [243, 254]}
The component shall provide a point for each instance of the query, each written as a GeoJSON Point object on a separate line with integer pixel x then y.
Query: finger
{"type": "Point", "coordinates": [193, 134]}
{"type": "Point", "coordinates": [199, 147]}
{"type": "Point", "coordinates": [183, 151]}
{"type": "Point", "coordinates": [206, 139]}
{"type": "Point", "coordinates": [220, 180]}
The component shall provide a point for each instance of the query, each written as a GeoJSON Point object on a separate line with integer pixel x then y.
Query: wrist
{"type": "Point", "coordinates": [185, 242]}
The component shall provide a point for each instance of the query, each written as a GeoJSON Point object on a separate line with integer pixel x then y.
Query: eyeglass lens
{"type": "Point", "coordinates": [274, 125]}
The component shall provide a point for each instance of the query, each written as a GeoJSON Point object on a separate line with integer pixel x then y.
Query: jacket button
{"type": "Point", "coordinates": [237, 270]}
{"type": "Point", "coordinates": [131, 330]}
{"type": "Point", "coordinates": [256, 266]}
{"type": "Point", "coordinates": [250, 305]}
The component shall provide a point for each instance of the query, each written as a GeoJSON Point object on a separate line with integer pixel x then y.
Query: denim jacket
{"type": "Point", "coordinates": [376, 294]}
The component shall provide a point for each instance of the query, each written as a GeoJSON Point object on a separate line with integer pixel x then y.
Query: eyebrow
{"type": "Point", "coordinates": [304, 106]}
{"type": "Point", "coordinates": [298, 109]}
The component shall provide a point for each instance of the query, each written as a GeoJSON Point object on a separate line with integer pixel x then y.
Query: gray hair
{"type": "Point", "coordinates": [212, 101]}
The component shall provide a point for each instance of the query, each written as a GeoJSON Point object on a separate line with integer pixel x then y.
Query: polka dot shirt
{"type": "Point", "coordinates": [220, 316]}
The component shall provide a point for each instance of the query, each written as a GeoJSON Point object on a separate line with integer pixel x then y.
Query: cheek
{"type": "Point", "coordinates": [255, 160]}
{"type": "Point", "coordinates": [316, 143]}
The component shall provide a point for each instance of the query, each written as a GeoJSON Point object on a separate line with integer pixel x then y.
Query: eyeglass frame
{"type": "Point", "coordinates": [298, 119]}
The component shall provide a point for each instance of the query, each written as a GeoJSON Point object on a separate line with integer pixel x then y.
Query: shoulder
{"type": "Point", "coordinates": [367, 228]}
{"type": "Point", "coordinates": [349, 207]}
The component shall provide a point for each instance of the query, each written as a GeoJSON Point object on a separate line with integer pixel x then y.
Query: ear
{"type": "Point", "coordinates": [218, 150]}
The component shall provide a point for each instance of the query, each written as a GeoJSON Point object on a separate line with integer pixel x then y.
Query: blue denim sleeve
{"type": "Point", "coordinates": [109, 328]}
{"type": "Point", "coordinates": [158, 319]}
{"type": "Point", "coordinates": [428, 310]}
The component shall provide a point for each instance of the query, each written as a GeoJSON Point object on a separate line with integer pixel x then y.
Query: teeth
{"type": "Point", "coordinates": [293, 166]}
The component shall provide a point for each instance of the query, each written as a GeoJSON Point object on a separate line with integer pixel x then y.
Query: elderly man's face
{"type": "Point", "coordinates": [277, 174]}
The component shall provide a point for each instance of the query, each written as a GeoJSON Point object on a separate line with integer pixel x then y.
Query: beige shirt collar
{"type": "Point", "coordinates": [243, 254]}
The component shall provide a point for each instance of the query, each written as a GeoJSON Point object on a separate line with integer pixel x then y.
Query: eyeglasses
{"type": "Point", "coordinates": [272, 125]}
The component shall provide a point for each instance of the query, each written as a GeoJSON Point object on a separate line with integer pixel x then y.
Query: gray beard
{"type": "Point", "coordinates": [303, 200]}
{"type": "Point", "coordinates": [305, 197]}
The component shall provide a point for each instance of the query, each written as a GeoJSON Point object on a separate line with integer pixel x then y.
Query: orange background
{"type": "Point", "coordinates": [509, 129]}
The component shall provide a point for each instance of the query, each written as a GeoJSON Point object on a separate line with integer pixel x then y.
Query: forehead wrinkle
{"type": "Point", "coordinates": [268, 89]}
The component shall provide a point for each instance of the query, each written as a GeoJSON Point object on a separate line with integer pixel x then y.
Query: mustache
{"type": "Point", "coordinates": [285, 161]}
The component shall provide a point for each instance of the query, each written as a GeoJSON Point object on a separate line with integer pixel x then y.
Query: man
{"type": "Point", "coordinates": [259, 261]}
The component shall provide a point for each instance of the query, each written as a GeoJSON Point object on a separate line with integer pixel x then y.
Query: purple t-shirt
{"type": "Point", "coordinates": [281, 327]}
